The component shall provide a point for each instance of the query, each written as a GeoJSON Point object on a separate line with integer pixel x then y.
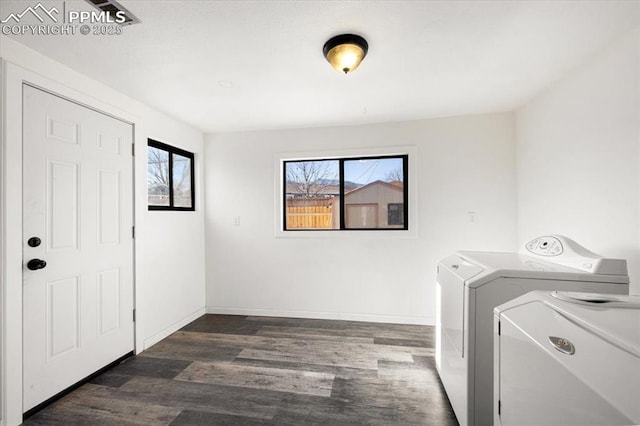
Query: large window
{"type": "Point", "coordinates": [366, 193]}
{"type": "Point", "coordinates": [170, 177]}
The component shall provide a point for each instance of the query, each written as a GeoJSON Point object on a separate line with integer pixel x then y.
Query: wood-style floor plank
{"type": "Point", "coordinates": [338, 371]}
{"type": "Point", "coordinates": [238, 370]}
{"type": "Point", "coordinates": [84, 407]}
{"type": "Point", "coordinates": [312, 334]}
{"type": "Point", "coordinates": [220, 399]}
{"type": "Point", "coordinates": [277, 379]}
{"type": "Point", "coordinates": [202, 418]}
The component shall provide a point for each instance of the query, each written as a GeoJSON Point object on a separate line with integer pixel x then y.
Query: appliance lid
{"type": "Point", "coordinates": [598, 299]}
{"type": "Point", "coordinates": [596, 344]}
{"type": "Point", "coordinates": [516, 265]}
{"type": "Point", "coordinates": [460, 267]}
{"type": "Point", "coordinates": [612, 318]}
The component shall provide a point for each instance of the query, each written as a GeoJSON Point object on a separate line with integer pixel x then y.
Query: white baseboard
{"type": "Point", "coordinates": [391, 319]}
{"type": "Point", "coordinates": [148, 342]}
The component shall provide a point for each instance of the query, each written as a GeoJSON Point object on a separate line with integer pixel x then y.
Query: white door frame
{"type": "Point", "coordinates": [13, 78]}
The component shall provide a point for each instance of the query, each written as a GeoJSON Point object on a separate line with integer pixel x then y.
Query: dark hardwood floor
{"type": "Point", "coordinates": [237, 370]}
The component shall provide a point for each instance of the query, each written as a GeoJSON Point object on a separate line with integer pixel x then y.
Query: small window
{"type": "Point", "coordinates": [395, 214]}
{"type": "Point", "coordinates": [368, 193]}
{"type": "Point", "coordinates": [170, 177]}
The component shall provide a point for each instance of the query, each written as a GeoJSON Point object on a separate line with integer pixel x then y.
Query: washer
{"type": "Point", "coordinates": [567, 358]}
{"type": "Point", "coordinates": [471, 284]}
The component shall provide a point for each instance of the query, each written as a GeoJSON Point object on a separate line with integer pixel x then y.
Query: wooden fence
{"type": "Point", "coordinates": [309, 214]}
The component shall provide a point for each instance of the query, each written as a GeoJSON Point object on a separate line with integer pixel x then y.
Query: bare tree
{"type": "Point", "coordinates": [158, 168]}
{"type": "Point", "coordinates": [395, 176]}
{"type": "Point", "coordinates": [310, 178]}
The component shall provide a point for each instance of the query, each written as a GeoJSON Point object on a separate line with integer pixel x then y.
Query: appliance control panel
{"type": "Point", "coordinates": [562, 250]}
{"type": "Point", "coordinates": [545, 246]}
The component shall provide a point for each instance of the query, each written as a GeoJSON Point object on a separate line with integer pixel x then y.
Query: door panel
{"type": "Point", "coordinates": [78, 199]}
{"type": "Point", "coordinates": [62, 205]}
{"type": "Point", "coordinates": [108, 300]}
{"type": "Point", "coordinates": [63, 308]}
{"type": "Point", "coordinates": [61, 131]}
{"type": "Point", "coordinates": [109, 207]}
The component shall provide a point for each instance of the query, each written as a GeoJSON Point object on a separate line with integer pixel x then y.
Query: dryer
{"type": "Point", "coordinates": [471, 284]}
{"type": "Point", "coordinates": [567, 358]}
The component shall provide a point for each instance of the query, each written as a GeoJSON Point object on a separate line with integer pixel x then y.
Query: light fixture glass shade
{"type": "Point", "coordinates": [345, 52]}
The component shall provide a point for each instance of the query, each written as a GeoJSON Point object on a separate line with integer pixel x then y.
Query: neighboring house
{"type": "Point", "coordinates": [375, 205]}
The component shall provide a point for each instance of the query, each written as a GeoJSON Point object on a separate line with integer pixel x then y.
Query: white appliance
{"type": "Point", "coordinates": [567, 358]}
{"type": "Point", "coordinates": [471, 284]}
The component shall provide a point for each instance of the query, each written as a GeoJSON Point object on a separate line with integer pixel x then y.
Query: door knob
{"type": "Point", "coordinates": [35, 264]}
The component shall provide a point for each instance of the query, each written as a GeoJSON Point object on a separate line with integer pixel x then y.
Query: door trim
{"type": "Point", "coordinates": [73, 101]}
{"type": "Point", "coordinates": [13, 79]}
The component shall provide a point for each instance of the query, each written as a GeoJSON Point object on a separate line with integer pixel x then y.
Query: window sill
{"type": "Point", "coordinates": [349, 234]}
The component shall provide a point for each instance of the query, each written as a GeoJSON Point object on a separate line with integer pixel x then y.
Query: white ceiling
{"type": "Point", "coordinates": [426, 58]}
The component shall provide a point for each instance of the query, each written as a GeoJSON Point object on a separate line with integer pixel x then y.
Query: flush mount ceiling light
{"type": "Point", "coordinates": [345, 52]}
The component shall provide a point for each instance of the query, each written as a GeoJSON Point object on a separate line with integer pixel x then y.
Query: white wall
{"type": "Point", "coordinates": [579, 156]}
{"type": "Point", "coordinates": [169, 251]}
{"type": "Point", "coordinates": [464, 164]}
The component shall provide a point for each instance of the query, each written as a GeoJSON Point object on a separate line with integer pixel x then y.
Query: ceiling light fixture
{"type": "Point", "coordinates": [345, 52]}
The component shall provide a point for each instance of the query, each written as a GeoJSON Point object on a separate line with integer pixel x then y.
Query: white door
{"type": "Point", "coordinates": [78, 201]}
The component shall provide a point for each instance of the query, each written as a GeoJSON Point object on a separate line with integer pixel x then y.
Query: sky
{"type": "Point", "coordinates": [361, 171]}
{"type": "Point", "coordinates": [365, 171]}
